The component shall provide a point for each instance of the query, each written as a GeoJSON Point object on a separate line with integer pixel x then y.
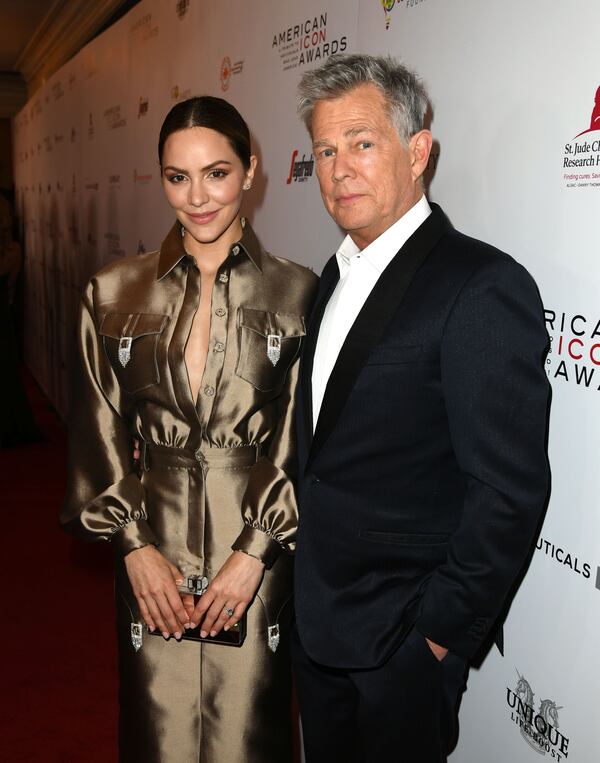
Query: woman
{"type": "Point", "coordinates": [193, 351]}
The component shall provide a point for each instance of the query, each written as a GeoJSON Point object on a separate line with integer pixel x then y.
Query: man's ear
{"type": "Point", "coordinates": [419, 149]}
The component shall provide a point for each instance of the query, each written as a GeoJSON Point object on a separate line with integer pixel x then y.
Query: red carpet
{"type": "Point", "coordinates": [59, 683]}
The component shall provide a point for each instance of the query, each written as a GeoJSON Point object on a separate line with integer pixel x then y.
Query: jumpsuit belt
{"type": "Point", "coordinates": [199, 463]}
{"type": "Point", "coordinates": [205, 457]}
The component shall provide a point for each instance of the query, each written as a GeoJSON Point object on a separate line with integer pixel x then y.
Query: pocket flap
{"type": "Point", "coordinates": [286, 325]}
{"type": "Point", "coordinates": [117, 325]}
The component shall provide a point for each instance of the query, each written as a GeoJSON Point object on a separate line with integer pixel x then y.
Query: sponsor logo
{"type": "Point", "coordinates": [141, 178]}
{"type": "Point", "coordinates": [180, 95]}
{"type": "Point", "coordinates": [141, 249]}
{"type": "Point", "coordinates": [114, 181]}
{"type": "Point", "coordinates": [228, 70]}
{"type": "Point", "coordinates": [389, 5]}
{"type": "Point", "coordinates": [565, 558]}
{"type": "Point", "coordinates": [306, 42]}
{"type": "Point", "coordinates": [113, 118]}
{"type": "Point", "coordinates": [182, 7]}
{"type": "Point", "coordinates": [57, 90]}
{"type": "Point", "coordinates": [58, 138]}
{"type": "Point", "coordinates": [143, 30]}
{"type": "Point", "coordinates": [574, 354]}
{"type": "Point", "coordinates": [91, 129]}
{"type": "Point", "coordinates": [142, 107]}
{"type": "Point", "coordinates": [540, 729]}
{"type": "Point", "coordinates": [91, 186]}
{"type": "Point", "coordinates": [113, 245]}
{"type": "Point", "coordinates": [581, 156]}
{"type": "Point", "coordinates": [300, 169]}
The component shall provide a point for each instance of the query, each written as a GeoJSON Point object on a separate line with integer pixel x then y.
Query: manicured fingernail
{"type": "Point", "coordinates": [151, 628]}
{"type": "Point", "coordinates": [187, 626]}
{"type": "Point", "coordinates": [179, 581]}
{"type": "Point", "coordinates": [165, 634]}
{"type": "Point", "coordinates": [213, 634]}
{"type": "Point", "coordinates": [225, 627]}
{"type": "Point", "coordinates": [177, 635]}
{"type": "Point", "coordinates": [203, 634]}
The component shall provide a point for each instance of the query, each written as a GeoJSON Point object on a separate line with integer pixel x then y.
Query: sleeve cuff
{"type": "Point", "coordinates": [258, 544]}
{"type": "Point", "coordinates": [133, 535]}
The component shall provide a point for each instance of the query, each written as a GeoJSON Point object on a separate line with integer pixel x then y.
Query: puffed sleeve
{"type": "Point", "coordinates": [105, 499]}
{"type": "Point", "coordinates": [269, 507]}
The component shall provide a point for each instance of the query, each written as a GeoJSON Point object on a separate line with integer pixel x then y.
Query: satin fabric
{"type": "Point", "coordinates": [227, 483]}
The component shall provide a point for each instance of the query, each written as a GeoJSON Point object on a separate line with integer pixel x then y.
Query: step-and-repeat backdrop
{"type": "Point", "coordinates": [516, 117]}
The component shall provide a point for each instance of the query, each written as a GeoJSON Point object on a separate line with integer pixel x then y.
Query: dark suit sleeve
{"type": "Point", "coordinates": [496, 394]}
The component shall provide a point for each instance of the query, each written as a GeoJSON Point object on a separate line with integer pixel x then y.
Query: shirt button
{"type": "Point", "coordinates": [209, 391]}
{"type": "Point", "coordinates": [220, 311]}
{"type": "Point", "coordinates": [219, 347]}
{"type": "Point", "coordinates": [223, 278]}
{"type": "Point", "coordinates": [235, 250]}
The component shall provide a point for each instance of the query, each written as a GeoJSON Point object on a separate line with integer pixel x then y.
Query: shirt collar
{"type": "Point", "coordinates": [381, 252]}
{"type": "Point", "coordinates": [172, 250]}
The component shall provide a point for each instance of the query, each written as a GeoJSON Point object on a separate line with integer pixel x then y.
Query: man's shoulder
{"type": "Point", "coordinates": [474, 257]}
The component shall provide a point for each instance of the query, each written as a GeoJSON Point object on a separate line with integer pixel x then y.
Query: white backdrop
{"type": "Point", "coordinates": [512, 85]}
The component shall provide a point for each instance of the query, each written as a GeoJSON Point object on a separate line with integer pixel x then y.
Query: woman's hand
{"type": "Point", "coordinates": [232, 588]}
{"type": "Point", "coordinates": [154, 582]}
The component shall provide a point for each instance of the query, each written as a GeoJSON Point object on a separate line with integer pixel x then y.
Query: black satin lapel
{"type": "Point", "coordinates": [329, 279]}
{"type": "Point", "coordinates": [372, 321]}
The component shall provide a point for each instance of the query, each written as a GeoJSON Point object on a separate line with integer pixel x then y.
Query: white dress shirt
{"type": "Point", "coordinates": [359, 272]}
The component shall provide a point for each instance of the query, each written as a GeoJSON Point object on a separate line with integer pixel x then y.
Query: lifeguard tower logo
{"type": "Point", "coordinates": [539, 729]}
{"type": "Point", "coordinates": [581, 156]}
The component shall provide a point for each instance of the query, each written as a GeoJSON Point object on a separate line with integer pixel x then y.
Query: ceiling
{"type": "Point", "coordinates": [18, 21]}
{"type": "Point", "coordinates": [38, 36]}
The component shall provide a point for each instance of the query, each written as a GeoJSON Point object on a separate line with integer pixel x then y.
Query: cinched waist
{"type": "Point", "coordinates": [205, 456]}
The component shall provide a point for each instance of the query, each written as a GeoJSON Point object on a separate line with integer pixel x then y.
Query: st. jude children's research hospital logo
{"type": "Point", "coordinates": [581, 156]}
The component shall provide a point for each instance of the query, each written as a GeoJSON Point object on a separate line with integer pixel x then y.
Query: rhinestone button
{"type": "Point", "coordinates": [220, 311]}
{"type": "Point", "coordinates": [235, 250]}
{"type": "Point", "coordinates": [223, 278]}
{"type": "Point", "coordinates": [209, 391]}
{"type": "Point", "coordinates": [219, 347]}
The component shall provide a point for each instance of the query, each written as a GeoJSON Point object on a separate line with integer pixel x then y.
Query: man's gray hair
{"type": "Point", "coordinates": [403, 91]}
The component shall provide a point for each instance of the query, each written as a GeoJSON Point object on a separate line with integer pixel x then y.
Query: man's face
{"type": "Point", "coordinates": [368, 178]}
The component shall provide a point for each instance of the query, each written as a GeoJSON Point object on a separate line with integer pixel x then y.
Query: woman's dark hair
{"type": "Point", "coordinates": [214, 113]}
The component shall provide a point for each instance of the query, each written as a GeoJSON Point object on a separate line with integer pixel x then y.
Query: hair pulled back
{"type": "Point", "coordinates": [214, 113]}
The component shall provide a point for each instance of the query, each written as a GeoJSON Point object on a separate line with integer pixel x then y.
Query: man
{"type": "Point", "coordinates": [421, 428]}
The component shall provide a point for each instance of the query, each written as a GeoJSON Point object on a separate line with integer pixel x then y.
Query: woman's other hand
{"type": "Point", "coordinates": [154, 581]}
{"type": "Point", "coordinates": [233, 588]}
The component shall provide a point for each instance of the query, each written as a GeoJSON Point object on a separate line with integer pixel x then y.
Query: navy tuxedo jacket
{"type": "Point", "coordinates": [423, 485]}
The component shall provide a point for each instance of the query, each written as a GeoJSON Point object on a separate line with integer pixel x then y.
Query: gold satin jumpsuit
{"type": "Point", "coordinates": [215, 474]}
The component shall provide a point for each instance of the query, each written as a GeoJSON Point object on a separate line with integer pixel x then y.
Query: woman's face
{"type": "Point", "coordinates": [202, 178]}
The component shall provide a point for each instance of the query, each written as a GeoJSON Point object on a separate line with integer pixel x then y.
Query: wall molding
{"type": "Point", "coordinates": [65, 29]}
